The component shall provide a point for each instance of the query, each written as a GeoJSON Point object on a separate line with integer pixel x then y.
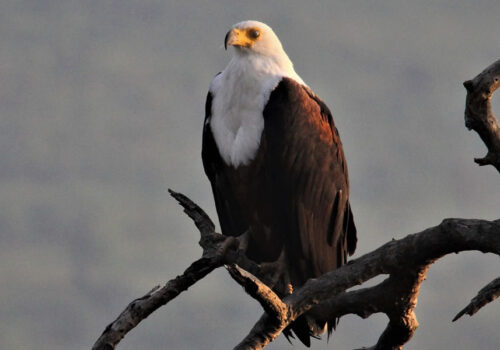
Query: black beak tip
{"type": "Point", "coordinates": [225, 40]}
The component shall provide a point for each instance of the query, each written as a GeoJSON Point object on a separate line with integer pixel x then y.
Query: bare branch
{"type": "Point", "coordinates": [479, 115]}
{"type": "Point", "coordinates": [142, 307]}
{"type": "Point", "coordinates": [201, 220]}
{"type": "Point", "coordinates": [213, 257]}
{"type": "Point", "coordinates": [217, 251]}
{"type": "Point", "coordinates": [271, 303]}
{"type": "Point", "coordinates": [405, 260]}
{"type": "Point", "coordinates": [483, 297]}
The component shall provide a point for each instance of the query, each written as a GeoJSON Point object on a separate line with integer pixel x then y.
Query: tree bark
{"type": "Point", "coordinates": [479, 115]}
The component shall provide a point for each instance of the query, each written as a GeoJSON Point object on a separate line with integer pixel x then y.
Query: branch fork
{"type": "Point", "coordinates": [405, 261]}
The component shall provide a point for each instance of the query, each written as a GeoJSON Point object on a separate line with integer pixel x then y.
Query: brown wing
{"type": "Point", "coordinates": [306, 164]}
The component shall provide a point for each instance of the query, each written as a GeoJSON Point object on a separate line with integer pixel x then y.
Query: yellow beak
{"type": "Point", "coordinates": [237, 37]}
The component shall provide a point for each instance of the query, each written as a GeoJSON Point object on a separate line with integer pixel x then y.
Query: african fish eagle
{"type": "Point", "coordinates": [277, 168]}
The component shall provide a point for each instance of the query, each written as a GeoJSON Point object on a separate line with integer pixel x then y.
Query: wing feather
{"type": "Point", "coordinates": [311, 187]}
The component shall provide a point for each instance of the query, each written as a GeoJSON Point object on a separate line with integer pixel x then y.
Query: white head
{"type": "Point", "coordinates": [242, 90]}
{"type": "Point", "coordinates": [253, 37]}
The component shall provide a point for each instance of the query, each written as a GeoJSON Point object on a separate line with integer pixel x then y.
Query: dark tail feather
{"type": "Point", "coordinates": [331, 326]}
{"type": "Point", "coordinates": [301, 329]}
{"type": "Point", "coordinates": [287, 332]}
{"type": "Point", "coordinates": [305, 328]}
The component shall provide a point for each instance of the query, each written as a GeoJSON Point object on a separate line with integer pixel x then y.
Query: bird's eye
{"type": "Point", "coordinates": [254, 33]}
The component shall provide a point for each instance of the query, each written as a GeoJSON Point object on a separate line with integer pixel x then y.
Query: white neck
{"type": "Point", "coordinates": [240, 94]}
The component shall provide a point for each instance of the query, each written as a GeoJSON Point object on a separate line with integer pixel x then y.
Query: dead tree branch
{"type": "Point", "coordinates": [479, 115]}
{"type": "Point", "coordinates": [269, 301]}
{"type": "Point", "coordinates": [483, 297]}
{"type": "Point", "coordinates": [217, 251]}
{"type": "Point", "coordinates": [405, 261]}
{"type": "Point", "coordinates": [142, 307]}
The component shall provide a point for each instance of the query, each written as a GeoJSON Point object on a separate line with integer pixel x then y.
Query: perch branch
{"type": "Point", "coordinates": [479, 115]}
{"type": "Point", "coordinates": [405, 260]}
{"type": "Point", "coordinates": [270, 302]}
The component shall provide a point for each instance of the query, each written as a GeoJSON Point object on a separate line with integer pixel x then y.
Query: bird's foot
{"type": "Point", "coordinates": [230, 243]}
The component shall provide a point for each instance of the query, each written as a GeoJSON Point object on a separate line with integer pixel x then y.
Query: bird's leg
{"type": "Point", "coordinates": [229, 243]}
{"type": "Point", "coordinates": [278, 279]}
{"type": "Point", "coordinates": [244, 239]}
{"type": "Point", "coordinates": [233, 243]}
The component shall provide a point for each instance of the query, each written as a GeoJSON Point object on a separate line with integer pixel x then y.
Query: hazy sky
{"type": "Point", "coordinates": [101, 110]}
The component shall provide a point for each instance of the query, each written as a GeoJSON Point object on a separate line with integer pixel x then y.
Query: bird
{"type": "Point", "coordinates": [277, 169]}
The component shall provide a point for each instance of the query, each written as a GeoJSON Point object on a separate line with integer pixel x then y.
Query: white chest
{"type": "Point", "coordinates": [237, 118]}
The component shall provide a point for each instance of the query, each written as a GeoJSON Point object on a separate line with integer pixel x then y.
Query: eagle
{"type": "Point", "coordinates": [277, 168]}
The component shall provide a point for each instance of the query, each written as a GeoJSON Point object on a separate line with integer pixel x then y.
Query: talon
{"type": "Point", "coordinates": [231, 243]}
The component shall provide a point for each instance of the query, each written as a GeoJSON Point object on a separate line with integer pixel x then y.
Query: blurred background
{"type": "Point", "coordinates": [101, 111]}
